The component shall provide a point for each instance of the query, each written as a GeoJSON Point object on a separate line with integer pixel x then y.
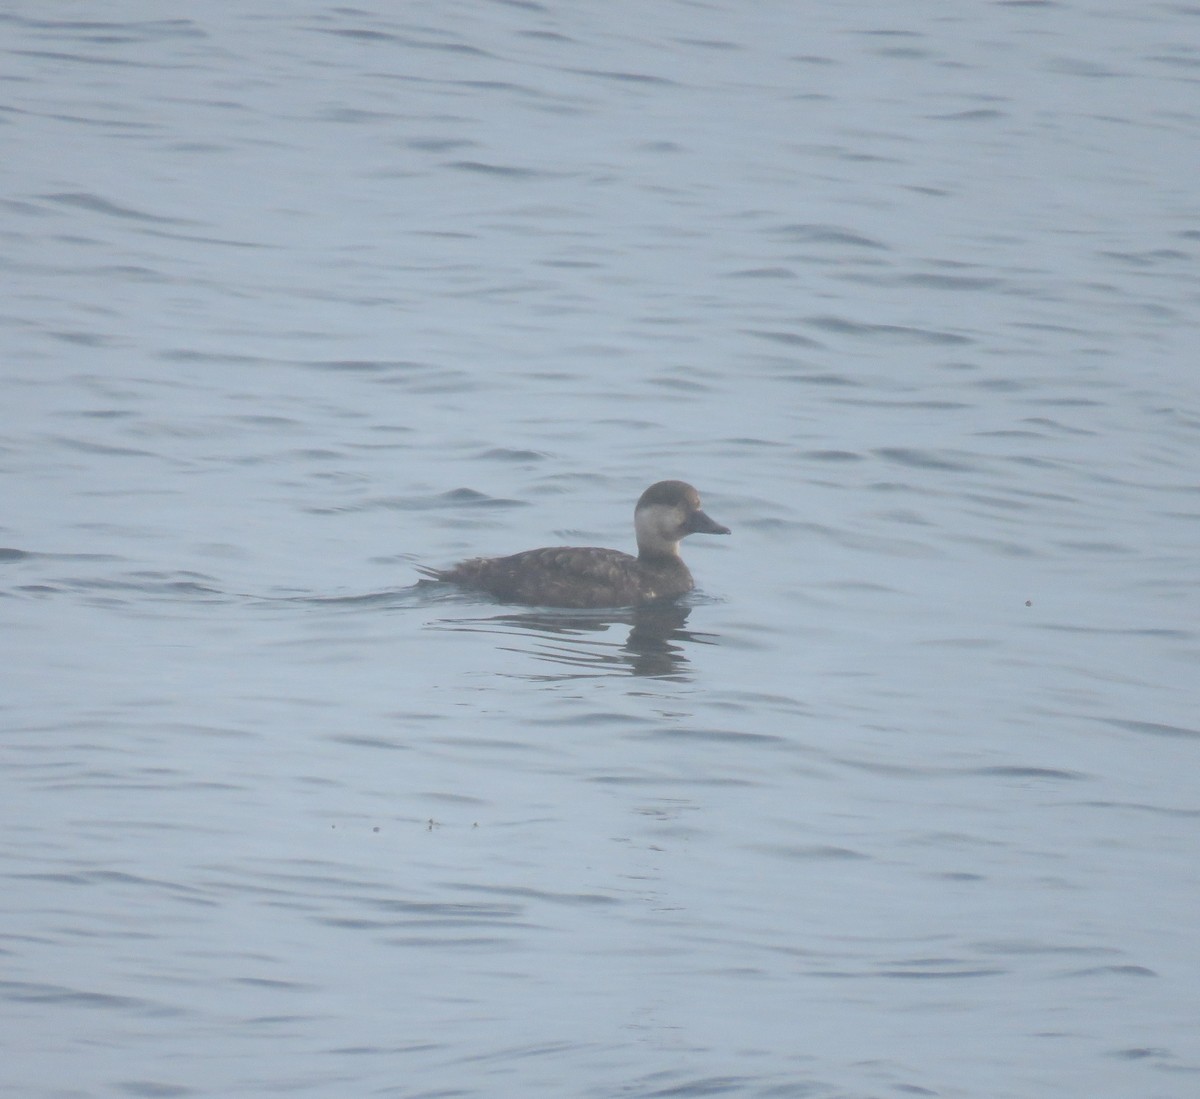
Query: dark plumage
{"type": "Point", "coordinates": [587, 576]}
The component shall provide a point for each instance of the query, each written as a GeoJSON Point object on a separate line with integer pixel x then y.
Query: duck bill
{"type": "Point", "coordinates": [699, 523]}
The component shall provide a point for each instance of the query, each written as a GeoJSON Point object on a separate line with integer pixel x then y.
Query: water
{"type": "Point", "coordinates": [901, 802]}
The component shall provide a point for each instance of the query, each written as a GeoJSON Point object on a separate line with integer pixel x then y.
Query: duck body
{"type": "Point", "coordinates": [589, 576]}
{"type": "Point", "coordinates": [572, 576]}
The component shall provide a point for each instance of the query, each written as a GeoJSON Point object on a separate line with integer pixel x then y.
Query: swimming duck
{"type": "Point", "coordinates": [588, 576]}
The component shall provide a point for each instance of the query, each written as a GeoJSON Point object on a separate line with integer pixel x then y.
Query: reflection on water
{"type": "Point", "coordinates": [655, 645]}
{"type": "Point", "coordinates": [587, 642]}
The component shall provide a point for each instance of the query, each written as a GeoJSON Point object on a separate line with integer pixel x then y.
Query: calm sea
{"type": "Point", "coordinates": [902, 802]}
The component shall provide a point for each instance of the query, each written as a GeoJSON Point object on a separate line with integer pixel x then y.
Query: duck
{"type": "Point", "coordinates": [583, 577]}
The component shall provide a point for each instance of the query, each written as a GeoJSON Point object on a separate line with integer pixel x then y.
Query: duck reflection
{"type": "Point", "coordinates": [583, 644]}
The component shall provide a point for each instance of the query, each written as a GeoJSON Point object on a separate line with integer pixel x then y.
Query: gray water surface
{"type": "Point", "coordinates": [902, 801]}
